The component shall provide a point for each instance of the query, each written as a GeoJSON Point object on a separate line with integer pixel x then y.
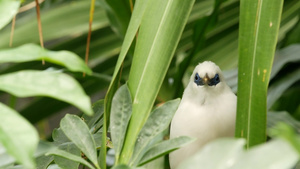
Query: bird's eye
{"type": "Point", "coordinates": [198, 79]}
{"type": "Point", "coordinates": [214, 81]}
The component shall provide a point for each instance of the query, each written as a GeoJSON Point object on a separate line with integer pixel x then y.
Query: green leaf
{"type": "Point", "coordinates": [162, 24]}
{"type": "Point", "coordinates": [274, 118]}
{"type": "Point", "coordinates": [45, 83]}
{"type": "Point", "coordinates": [281, 85]}
{"type": "Point", "coordinates": [157, 122]}
{"type": "Point", "coordinates": [137, 15]}
{"type": "Point", "coordinates": [69, 156]}
{"type": "Point", "coordinates": [123, 166]}
{"type": "Point", "coordinates": [119, 118]}
{"type": "Point", "coordinates": [78, 132]}
{"type": "Point", "coordinates": [284, 131]}
{"type": "Point", "coordinates": [66, 163]}
{"type": "Point", "coordinates": [164, 148]}
{"type": "Point", "coordinates": [32, 52]}
{"type": "Point", "coordinates": [18, 136]}
{"type": "Point", "coordinates": [98, 108]}
{"type": "Point", "coordinates": [8, 9]}
{"type": "Point", "coordinates": [229, 153]}
{"type": "Point", "coordinates": [258, 31]}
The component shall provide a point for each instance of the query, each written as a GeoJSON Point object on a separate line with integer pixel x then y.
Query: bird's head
{"type": "Point", "coordinates": [207, 76]}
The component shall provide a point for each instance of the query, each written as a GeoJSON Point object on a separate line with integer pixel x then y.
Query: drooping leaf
{"type": "Point", "coordinates": [32, 52]}
{"type": "Point", "coordinates": [119, 118]}
{"type": "Point", "coordinates": [69, 156]}
{"type": "Point", "coordinates": [78, 132]}
{"type": "Point", "coordinates": [45, 83]}
{"type": "Point", "coordinates": [258, 31]}
{"type": "Point", "coordinates": [18, 136]}
{"type": "Point", "coordinates": [8, 9]}
{"type": "Point", "coordinates": [157, 122]}
{"type": "Point", "coordinates": [164, 148]}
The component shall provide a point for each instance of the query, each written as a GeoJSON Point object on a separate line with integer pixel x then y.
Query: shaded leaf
{"type": "Point", "coordinates": [69, 156]}
{"type": "Point", "coordinates": [119, 118]}
{"type": "Point", "coordinates": [45, 83]}
{"type": "Point", "coordinates": [157, 122]}
{"type": "Point", "coordinates": [164, 148]}
{"type": "Point", "coordinates": [77, 131]}
{"type": "Point", "coordinates": [66, 163]}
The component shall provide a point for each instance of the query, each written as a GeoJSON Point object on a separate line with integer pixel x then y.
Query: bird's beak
{"type": "Point", "coordinates": [206, 79]}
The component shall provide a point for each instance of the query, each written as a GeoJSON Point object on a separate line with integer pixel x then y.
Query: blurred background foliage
{"type": "Point", "coordinates": [212, 28]}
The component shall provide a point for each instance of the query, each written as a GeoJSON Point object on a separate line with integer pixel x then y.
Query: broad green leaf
{"type": "Point", "coordinates": [43, 162]}
{"type": "Point", "coordinates": [59, 136]}
{"type": "Point", "coordinates": [18, 136]}
{"type": "Point", "coordinates": [157, 122]}
{"type": "Point", "coordinates": [164, 148]}
{"type": "Point", "coordinates": [57, 85]}
{"type": "Point", "coordinates": [229, 153]}
{"type": "Point", "coordinates": [158, 37]}
{"type": "Point", "coordinates": [32, 52]}
{"type": "Point", "coordinates": [78, 132]}
{"type": "Point", "coordinates": [66, 163]}
{"type": "Point", "coordinates": [8, 9]}
{"type": "Point", "coordinates": [119, 118]}
{"type": "Point", "coordinates": [258, 31]}
{"type": "Point", "coordinates": [67, 155]}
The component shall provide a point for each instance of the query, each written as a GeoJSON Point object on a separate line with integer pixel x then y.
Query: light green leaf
{"type": "Point", "coordinates": [8, 9]}
{"type": "Point", "coordinates": [32, 52]}
{"type": "Point", "coordinates": [119, 118]}
{"type": "Point", "coordinates": [78, 132]}
{"type": "Point", "coordinates": [274, 118]}
{"type": "Point", "coordinates": [45, 83]}
{"type": "Point", "coordinates": [162, 24]}
{"type": "Point", "coordinates": [18, 136]}
{"type": "Point", "coordinates": [69, 156]}
{"type": "Point", "coordinates": [157, 122]}
{"type": "Point", "coordinates": [164, 148]}
{"type": "Point", "coordinates": [258, 31]}
{"type": "Point", "coordinates": [229, 153]}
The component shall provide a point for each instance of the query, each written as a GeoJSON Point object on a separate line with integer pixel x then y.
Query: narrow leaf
{"type": "Point", "coordinates": [45, 83]}
{"type": "Point", "coordinates": [70, 156]}
{"type": "Point", "coordinates": [157, 122]}
{"type": "Point", "coordinates": [78, 132]}
{"type": "Point", "coordinates": [8, 9]}
{"type": "Point", "coordinates": [162, 24]}
{"type": "Point", "coordinates": [119, 118]}
{"type": "Point", "coordinates": [18, 136]}
{"type": "Point", "coordinates": [259, 24]}
{"type": "Point", "coordinates": [32, 52]}
{"type": "Point", "coordinates": [164, 148]}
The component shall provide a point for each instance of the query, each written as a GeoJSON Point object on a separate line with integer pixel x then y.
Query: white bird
{"type": "Point", "coordinates": [206, 112]}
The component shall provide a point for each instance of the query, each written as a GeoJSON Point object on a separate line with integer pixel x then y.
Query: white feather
{"type": "Point", "coordinates": [205, 112]}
